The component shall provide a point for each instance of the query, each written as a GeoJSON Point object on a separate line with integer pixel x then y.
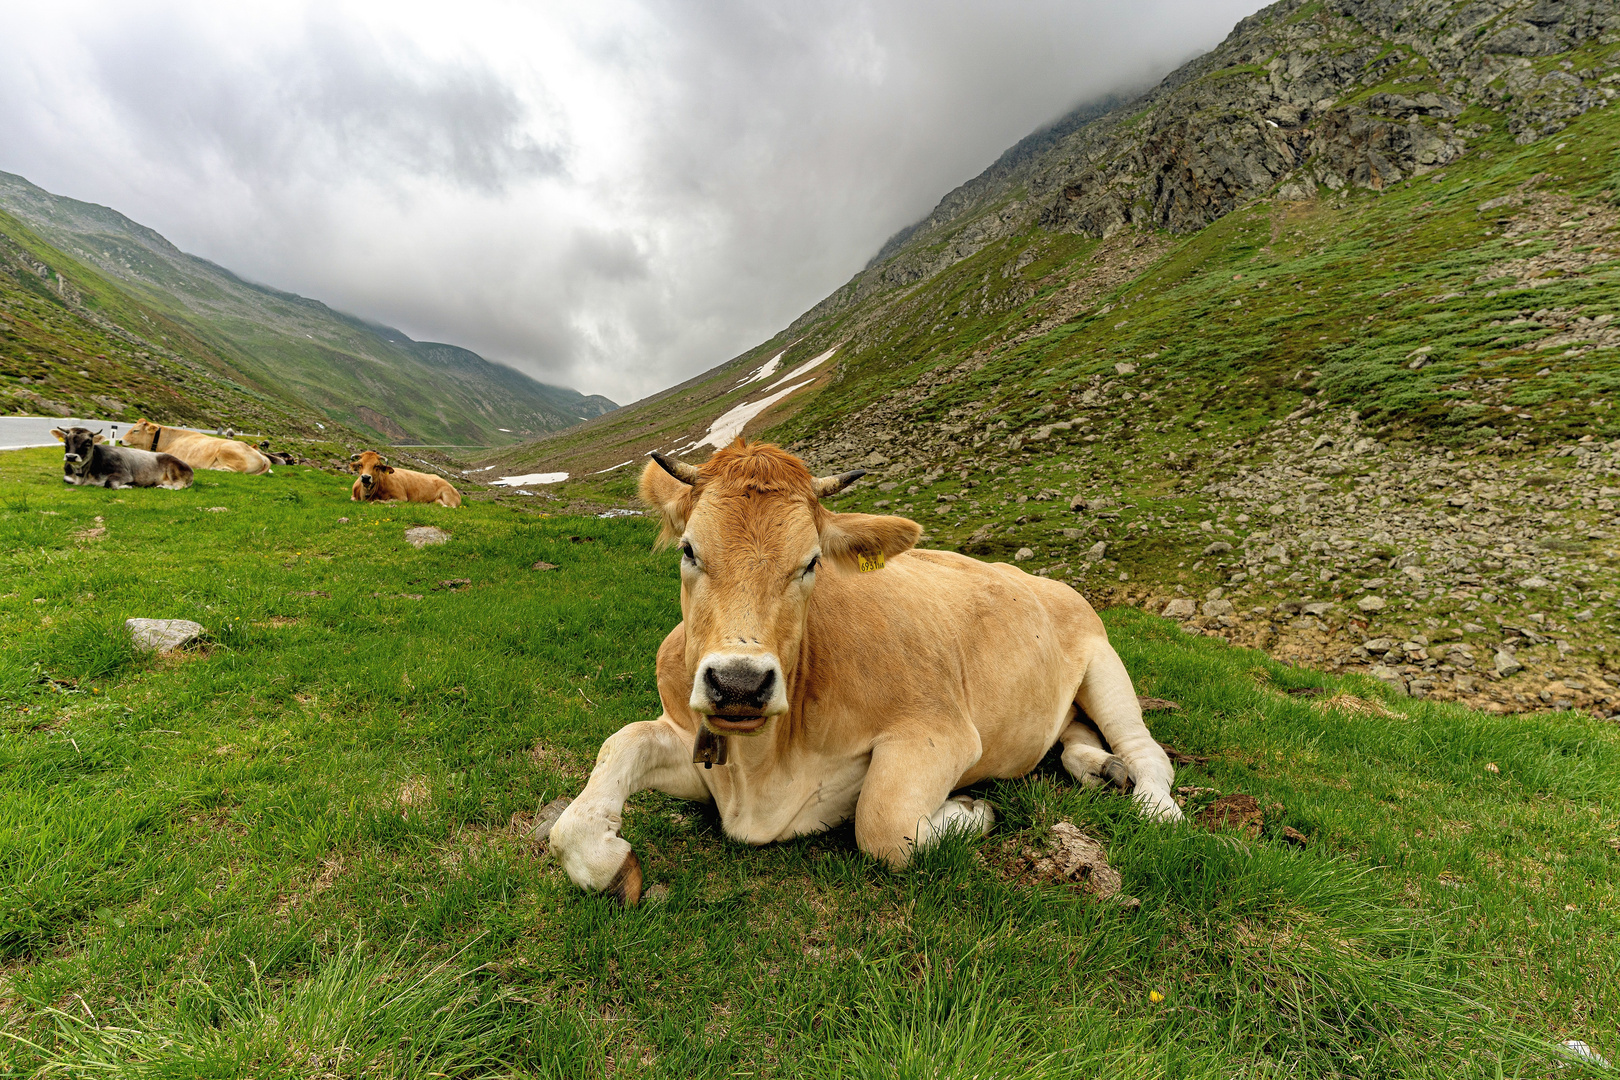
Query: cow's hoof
{"type": "Point", "coordinates": [1115, 772]}
{"type": "Point", "coordinates": [626, 884]}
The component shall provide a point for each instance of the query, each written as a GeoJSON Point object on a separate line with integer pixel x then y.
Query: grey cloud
{"type": "Point", "coordinates": [714, 168]}
{"type": "Point", "coordinates": [334, 101]}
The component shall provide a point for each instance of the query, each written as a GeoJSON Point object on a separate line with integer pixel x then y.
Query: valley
{"type": "Point", "coordinates": [1359, 412]}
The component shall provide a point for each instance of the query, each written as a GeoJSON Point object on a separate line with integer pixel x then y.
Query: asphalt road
{"type": "Point", "coordinates": [18, 432]}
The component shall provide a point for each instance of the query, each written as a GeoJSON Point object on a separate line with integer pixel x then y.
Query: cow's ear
{"type": "Point", "coordinates": [670, 499]}
{"type": "Point", "coordinates": [847, 537]}
{"type": "Point", "coordinates": [99, 438]}
{"type": "Point", "coordinates": [383, 468]}
{"type": "Point", "coordinates": [61, 436]}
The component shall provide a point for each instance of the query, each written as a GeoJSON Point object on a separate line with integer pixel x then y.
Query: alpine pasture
{"type": "Point", "coordinates": [299, 848]}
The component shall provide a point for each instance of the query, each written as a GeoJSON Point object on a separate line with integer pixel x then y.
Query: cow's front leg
{"type": "Point", "coordinates": [652, 754]}
{"type": "Point", "coordinates": [906, 801]}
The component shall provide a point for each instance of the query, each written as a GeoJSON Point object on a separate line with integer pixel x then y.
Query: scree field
{"type": "Point", "coordinates": [299, 848]}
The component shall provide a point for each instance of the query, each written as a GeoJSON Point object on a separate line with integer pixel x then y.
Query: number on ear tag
{"type": "Point", "coordinates": [868, 563]}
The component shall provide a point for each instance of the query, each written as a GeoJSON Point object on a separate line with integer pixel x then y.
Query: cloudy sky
{"type": "Point", "coordinates": [612, 195]}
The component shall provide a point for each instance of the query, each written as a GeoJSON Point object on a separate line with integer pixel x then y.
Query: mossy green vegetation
{"type": "Point", "coordinates": [297, 849]}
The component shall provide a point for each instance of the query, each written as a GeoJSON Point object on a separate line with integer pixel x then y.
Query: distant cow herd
{"type": "Point", "coordinates": [155, 455]}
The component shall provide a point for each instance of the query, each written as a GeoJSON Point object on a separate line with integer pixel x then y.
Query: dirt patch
{"type": "Point", "coordinates": [1239, 813]}
{"type": "Point", "coordinates": [413, 794]}
{"type": "Point", "coordinates": [558, 760]}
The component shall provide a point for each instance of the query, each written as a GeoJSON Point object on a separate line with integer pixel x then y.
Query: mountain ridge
{"type": "Point", "coordinates": [353, 371]}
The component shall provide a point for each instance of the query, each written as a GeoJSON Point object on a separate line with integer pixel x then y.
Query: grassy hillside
{"type": "Point", "coordinates": [298, 849]}
{"type": "Point", "coordinates": [73, 344]}
{"type": "Point", "coordinates": [1353, 423]}
{"type": "Point", "coordinates": [365, 377]}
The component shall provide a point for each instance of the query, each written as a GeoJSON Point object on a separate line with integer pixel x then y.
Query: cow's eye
{"type": "Point", "coordinates": [686, 550]}
{"type": "Point", "coordinates": [810, 567]}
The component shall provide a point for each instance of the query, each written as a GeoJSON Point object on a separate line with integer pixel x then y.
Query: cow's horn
{"type": "Point", "coordinates": [832, 485]}
{"type": "Point", "coordinates": [680, 470]}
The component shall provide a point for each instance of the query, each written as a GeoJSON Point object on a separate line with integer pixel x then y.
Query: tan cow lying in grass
{"type": "Point", "coordinates": [834, 671]}
{"type": "Point", "coordinates": [196, 449]}
{"type": "Point", "coordinates": [381, 482]}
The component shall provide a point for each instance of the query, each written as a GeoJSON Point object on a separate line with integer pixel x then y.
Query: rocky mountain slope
{"type": "Point", "coordinates": [297, 354]}
{"type": "Point", "coordinates": [1311, 347]}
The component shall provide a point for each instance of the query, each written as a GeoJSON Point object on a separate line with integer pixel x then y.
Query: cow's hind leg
{"type": "Point", "coordinates": [1109, 700]}
{"type": "Point", "coordinates": [651, 754]}
{"type": "Point", "coordinates": [1089, 760]}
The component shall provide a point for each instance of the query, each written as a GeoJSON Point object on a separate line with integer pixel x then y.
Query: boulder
{"type": "Point", "coordinates": [161, 635]}
{"type": "Point", "coordinates": [1182, 607]}
{"type": "Point", "coordinates": [1024, 554]}
{"type": "Point", "coordinates": [1372, 603]}
{"type": "Point", "coordinates": [422, 536]}
{"type": "Point", "coordinates": [1215, 608]}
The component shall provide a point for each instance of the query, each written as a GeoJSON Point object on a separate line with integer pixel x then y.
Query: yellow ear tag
{"type": "Point", "coordinates": [868, 563]}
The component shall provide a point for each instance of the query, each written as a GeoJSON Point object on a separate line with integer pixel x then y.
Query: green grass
{"type": "Point", "coordinates": [287, 852]}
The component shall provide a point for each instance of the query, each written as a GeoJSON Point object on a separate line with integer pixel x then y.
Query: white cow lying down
{"type": "Point", "coordinates": [826, 668]}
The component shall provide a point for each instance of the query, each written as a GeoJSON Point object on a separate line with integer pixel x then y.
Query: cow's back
{"type": "Point", "coordinates": [209, 452]}
{"type": "Point", "coordinates": [936, 634]}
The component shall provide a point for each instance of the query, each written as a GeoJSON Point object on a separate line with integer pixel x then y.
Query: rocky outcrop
{"type": "Point", "coordinates": [1281, 104]}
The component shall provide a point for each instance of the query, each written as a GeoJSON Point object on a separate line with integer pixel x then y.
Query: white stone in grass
{"type": "Point", "coordinates": [1580, 1051]}
{"type": "Point", "coordinates": [1214, 608]}
{"type": "Point", "coordinates": [1506, 664]}
{"type": "Point", "coordinates": [1372, 603]}
{"type": "Point", "coordinates": [423, 535]}
{"type": "Point", "coordinates": [1023, 554]}
{"type": "Point", "coordinates": [1534, 583]}
{"type": "Point", "coordinates": [161, 635]}
{"type": "Point", "coordinates": [1180, 608]}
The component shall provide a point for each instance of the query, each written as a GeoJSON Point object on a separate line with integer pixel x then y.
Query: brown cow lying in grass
{"type": "Point", "coordinates": [381, 482]}
{"type": "Point", "coordinates": [828, 671]}
{"type": "Point", "coordinates": [196, 449]}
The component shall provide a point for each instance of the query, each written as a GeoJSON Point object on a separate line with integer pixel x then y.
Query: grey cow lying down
{"type": "Point", "coordinates": [825, 670]}
{"type": "Point", "coordinates": [88, 459]}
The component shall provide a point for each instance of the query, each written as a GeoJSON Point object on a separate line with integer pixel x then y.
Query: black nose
{"type": "Point", "coordinates": [739, 685]}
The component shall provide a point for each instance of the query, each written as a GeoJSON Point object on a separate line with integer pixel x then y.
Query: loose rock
{"type": "Point", "coordinates": [162, 635]}
{"type": "Point", "coordinates": [424, 535]}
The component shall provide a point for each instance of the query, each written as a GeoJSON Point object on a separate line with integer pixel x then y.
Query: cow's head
{"type": "Point", "coordinates": [753, 535]}
{"type": "Point", "coordinates": [76, 445]}
{"type": "Point", "coordinates": [143, 436]}
{"type": "Point", "coordinates": [369, 464]}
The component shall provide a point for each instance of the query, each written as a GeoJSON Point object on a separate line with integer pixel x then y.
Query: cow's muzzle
{"type": "Point", "coordinates": [738, 693]}
{"type": "Point", "coordinates": [365, 479]}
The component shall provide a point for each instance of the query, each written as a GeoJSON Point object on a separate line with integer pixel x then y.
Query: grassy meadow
{"type": "Point", "coordinates": [297, 849]}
